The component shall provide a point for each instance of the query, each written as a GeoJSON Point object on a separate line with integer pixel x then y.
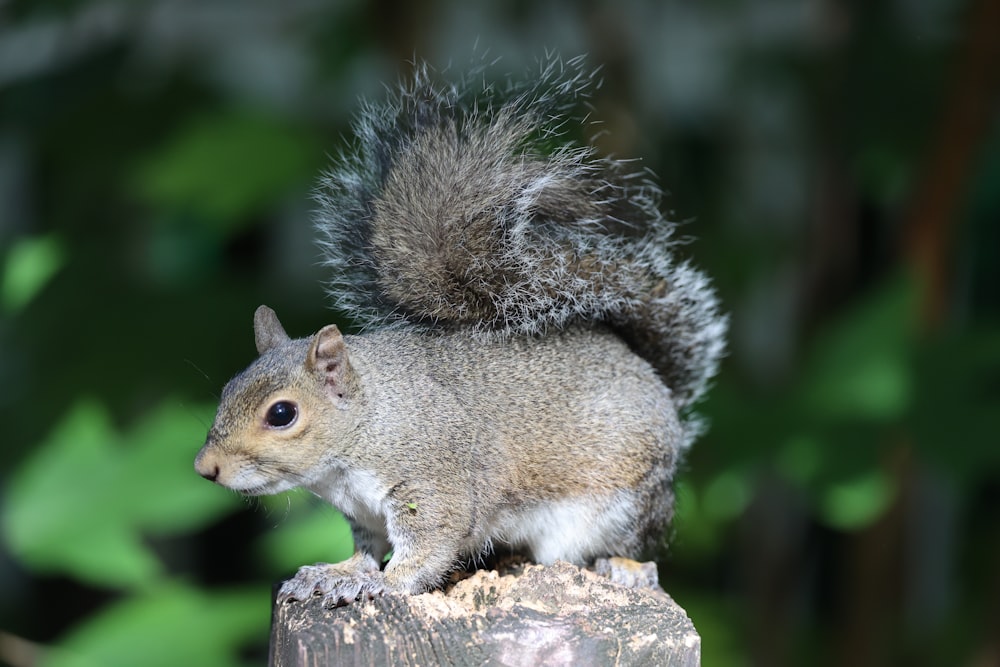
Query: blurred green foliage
{"type": "Point", "coordinates": [29, 264]}
{"type": "Point", "coordinates": [169, 624]}
{"type": "Point", "coordinates": [84, 503]}
{"type": "Point", "coordinates": [155, 166]}
{"type": "Point", "coordinates": [95, 532]}
{"type": "Point", "coordinates": [226, 167]}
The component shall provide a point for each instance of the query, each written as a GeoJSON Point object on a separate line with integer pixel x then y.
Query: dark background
{"type": "Point", "coordinates": [840, 165]}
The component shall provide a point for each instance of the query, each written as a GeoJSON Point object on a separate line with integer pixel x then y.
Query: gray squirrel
{"type": "Point", "coordinates": [530, 352]}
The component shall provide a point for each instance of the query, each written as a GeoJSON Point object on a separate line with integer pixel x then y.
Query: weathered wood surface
{"type": "Point", "coordinates": [556, 615]}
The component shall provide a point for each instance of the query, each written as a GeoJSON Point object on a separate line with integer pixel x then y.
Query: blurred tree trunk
{"type": "Point", "coordinates": [878, 557]}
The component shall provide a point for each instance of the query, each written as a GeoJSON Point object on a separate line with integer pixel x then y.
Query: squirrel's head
{"type": "Point", "coordinates": [277, 418]}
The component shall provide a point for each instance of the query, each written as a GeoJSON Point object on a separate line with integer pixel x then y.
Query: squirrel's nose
{"type": "Point", "coordinates": [206, 468]}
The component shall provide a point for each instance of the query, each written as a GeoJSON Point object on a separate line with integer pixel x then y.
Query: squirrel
{"type": "Point", "coordinates": [529, 353]}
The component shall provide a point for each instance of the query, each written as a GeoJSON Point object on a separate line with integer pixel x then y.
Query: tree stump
{"type": "Point", "coordinates": [534, 615]}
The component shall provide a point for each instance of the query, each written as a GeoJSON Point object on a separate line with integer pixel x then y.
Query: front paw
{"type": "Point", "coordinates": [331, 583]}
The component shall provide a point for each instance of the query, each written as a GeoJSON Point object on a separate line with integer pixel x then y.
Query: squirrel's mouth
{"type": "Point", "coordinates": [251, 481]}
{"type": "Point", "coordinates": [259, 487]}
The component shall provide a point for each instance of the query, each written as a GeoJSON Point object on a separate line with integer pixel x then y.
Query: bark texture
{"type": "Point", "coordinates": [529, 615]}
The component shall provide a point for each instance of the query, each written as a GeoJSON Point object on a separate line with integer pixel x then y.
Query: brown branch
{"type": "Point", "coordinates": [943, 186]}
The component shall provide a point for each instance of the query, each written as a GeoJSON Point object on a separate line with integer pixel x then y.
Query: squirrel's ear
{"type": "Point", "coordinates": [328, 356]}
{"type": "Point", "coordinates": [267, 330]}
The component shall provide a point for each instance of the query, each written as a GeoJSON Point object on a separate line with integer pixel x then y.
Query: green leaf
{"type": "Point", "coordinates": [166, 495]}
{"type": "Point", "coordinates": [801, 459]}
{"type": "Point", "coordinates": [226, 166]}
{"type": "Point", "coordinates": [696, 533]}
{"type": "Point", "coordinates": [168, 625]}
{"type": "Point", "coordinates": [855, 504]}
{"type": "Point", "coordinates": [30, 264]}
{"type": "Point", "coordinates": [861, 368]}
{"type": "Point", "coordinates": [308, 534]}
{"type": "Point", "coordinates": [727, 495]}
{"type": "Point", "coordinates": [81, 503]}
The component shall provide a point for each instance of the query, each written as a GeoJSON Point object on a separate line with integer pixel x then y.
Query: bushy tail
{"type": "Point", "coordinates": [466, 206]}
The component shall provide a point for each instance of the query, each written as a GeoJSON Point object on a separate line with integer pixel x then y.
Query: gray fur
{"type": "Point", "coordinates": [465, 206]}
{"type": "Point", "coordinates": [444, 448]}
{"type": "Point", "coordinates": [531, 354]}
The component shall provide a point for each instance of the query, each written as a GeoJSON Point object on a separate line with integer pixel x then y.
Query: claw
{"type": "Point", "coordinates": [334, 585]}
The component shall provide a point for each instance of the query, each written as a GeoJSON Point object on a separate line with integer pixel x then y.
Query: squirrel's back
{"type": "Point", "coordinates": [463, 206]}
{"type": "Point", "coordinates": [523, 434]}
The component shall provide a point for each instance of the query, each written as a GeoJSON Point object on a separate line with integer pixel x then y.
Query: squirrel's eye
{"type": "Point", "coordinates": [281, 414]}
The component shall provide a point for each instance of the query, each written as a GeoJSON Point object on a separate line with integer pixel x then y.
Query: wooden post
{"type": "Point", "coordinates": [555, 615]}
